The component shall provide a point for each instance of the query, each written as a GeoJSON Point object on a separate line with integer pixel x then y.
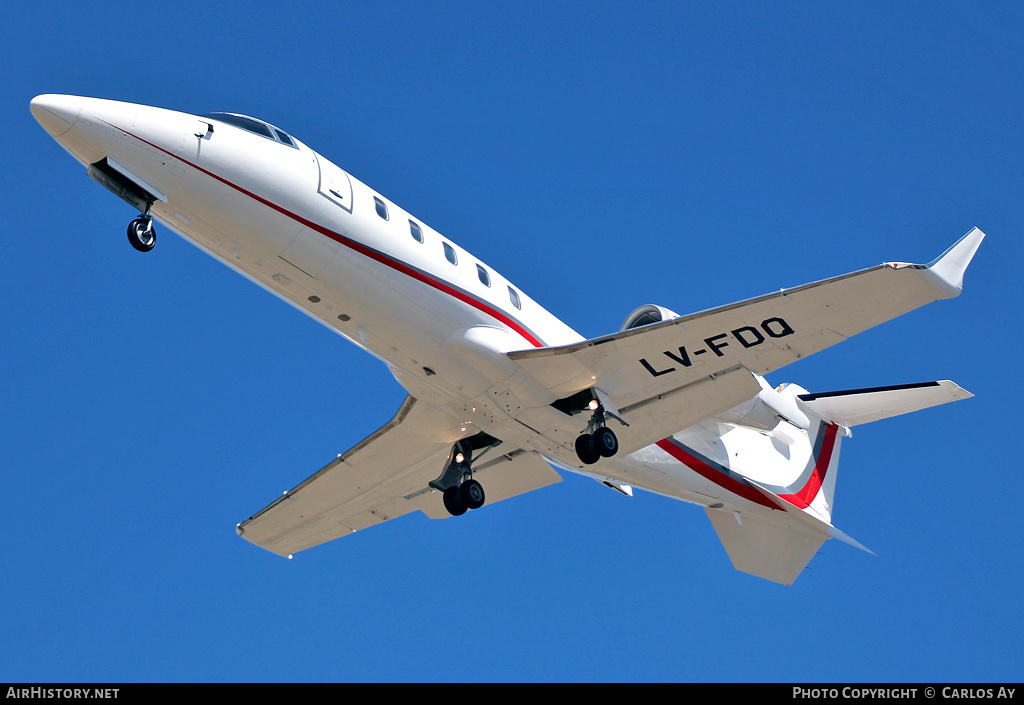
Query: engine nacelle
{"type": "Point", "coordinates": [646, 315]}
{"type": "Point", "coordinates": [764, 411]}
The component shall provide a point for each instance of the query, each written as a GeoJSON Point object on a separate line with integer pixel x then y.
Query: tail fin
{"type": "Point", "coordinates": [770, 548]}
{"type": "Point", "coordinates": [839, 411]}
{"type": "Point", "coordinates": [765, 547]}
{"type": "Point", "coordinates": [779, 546]}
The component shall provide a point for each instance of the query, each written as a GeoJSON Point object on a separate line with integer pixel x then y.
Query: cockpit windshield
{"type": "Point", "coordinates": [257, 127]}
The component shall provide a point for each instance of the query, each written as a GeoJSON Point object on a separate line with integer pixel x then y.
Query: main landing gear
{"type": "Point", "coordinates": [461, 491]}
{"type": "Point", "coordinates": [468, 495]}
{"type": "Point", "coordinates": [598, 441]}
{"type": "Point", "coordinates": [141, 233]}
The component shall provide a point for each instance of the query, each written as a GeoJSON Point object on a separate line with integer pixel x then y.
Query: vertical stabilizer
{"type": "Point", "coordinates": [765, 548]}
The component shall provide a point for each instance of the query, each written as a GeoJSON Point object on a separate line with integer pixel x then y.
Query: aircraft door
{"type": "Point", "coordinates": [310, 251]}
{"type": "Point", "coordinates": [334, 183]}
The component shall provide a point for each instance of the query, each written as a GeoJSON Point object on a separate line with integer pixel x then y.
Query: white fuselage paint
{"type": "Point", "coordinates": [301, 227]}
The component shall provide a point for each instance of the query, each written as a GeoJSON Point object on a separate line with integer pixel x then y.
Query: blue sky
{"type": "Point", "coordinates": [601, 156]}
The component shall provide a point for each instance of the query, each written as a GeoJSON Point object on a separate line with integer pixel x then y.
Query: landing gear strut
{"type": "Point", "coordinates": [461, 491]}
{"type": "Point", "coordinates": [141, 233]}
{"type": "Point", "coordinates": [598, 441]}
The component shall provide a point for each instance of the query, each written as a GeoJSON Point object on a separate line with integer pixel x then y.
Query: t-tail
{"type": "Point", "coordinates": [777, 545]}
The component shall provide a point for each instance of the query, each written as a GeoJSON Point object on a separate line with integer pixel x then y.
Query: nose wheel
{"type": "Point", "coordinates": [141, 233]}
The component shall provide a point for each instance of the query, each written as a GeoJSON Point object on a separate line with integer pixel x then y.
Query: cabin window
{"type": "Point", "coordinates": [417, 233]}
{"type": "Point", "coordinates": [449, 253]}
{"type": "Point", "coordinates": [382, 210]}
{"type": "Point", "coordinates": [485, 278]}
{"type": "Point", "coordinates": [513, 296]}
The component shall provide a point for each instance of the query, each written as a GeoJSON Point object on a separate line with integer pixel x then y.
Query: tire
{"type": "Point", "coordinates": [586, 451]}
{"type": "Point", "coordinates": [141, 235]}
{"type": "Point", "coordinates": [453, 502]}
{"type": "Point", "coordinates": [605, 442]}
{"type": "Point", "coordinates": [471, 493]}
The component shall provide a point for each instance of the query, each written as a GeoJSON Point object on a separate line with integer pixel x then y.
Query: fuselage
{"type": "Point", "coordinates": [271, 208]}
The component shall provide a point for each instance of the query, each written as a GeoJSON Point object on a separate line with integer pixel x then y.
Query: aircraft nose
{"type": "Point", "coordinates": [56, 113]}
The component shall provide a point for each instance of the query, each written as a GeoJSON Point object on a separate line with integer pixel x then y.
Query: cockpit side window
{"type": "Point", "coordinates": [283, 137]}
{"type": "Point", "coordinates": [257, 127]}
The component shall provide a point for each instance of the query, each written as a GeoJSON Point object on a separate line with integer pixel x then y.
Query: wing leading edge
{"type": "Point", "coordinates": [384, 477]}
{"type": "Point", "coordinates": [645, 367]}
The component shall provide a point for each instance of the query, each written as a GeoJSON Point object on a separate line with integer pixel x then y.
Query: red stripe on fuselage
{"type": "Point", "coordinates": [361, 248]}
{"type": "Point", "coordinates": [709, 473]}
{"type": "Point", "coordinates": [801, 499]}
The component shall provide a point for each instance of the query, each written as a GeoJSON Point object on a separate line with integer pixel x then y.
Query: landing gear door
{"type": "Point", "coordinates": [335, 185]}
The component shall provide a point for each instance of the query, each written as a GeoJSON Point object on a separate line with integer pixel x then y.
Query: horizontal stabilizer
{"type": "Point", "coordinates": [859, 406]}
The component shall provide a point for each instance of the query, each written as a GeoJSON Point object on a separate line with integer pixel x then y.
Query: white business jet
{"type": "Point", "coordinates": [500, 391]}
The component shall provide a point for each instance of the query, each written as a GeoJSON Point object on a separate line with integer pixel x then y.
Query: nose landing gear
{"type": "Point", "coordinates": [141, 233]}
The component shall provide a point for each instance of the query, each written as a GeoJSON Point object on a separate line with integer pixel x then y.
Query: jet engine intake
{"type": "Point", "coordinates": [646, 315]}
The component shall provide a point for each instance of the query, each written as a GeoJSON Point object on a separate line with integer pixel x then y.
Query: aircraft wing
{"type": "Point", "coordinates": [646, 368]}
{"type": "Point", "coordinates": [384, 477]}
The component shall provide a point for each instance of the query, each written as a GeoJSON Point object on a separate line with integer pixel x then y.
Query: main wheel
{"type": "Point", "coordinates": [605, 442]}
{"type": "Point", "coordinates": [141, 234]}
{"type": "Point", "coordinates": [471, 493]}
{"type": "Point", "coordinates": [453, 502]}
{"type": "Point", "coordinates": [585, 449]}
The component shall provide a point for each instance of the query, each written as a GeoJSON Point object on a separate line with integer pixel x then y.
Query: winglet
{"type": "Point", "coordinates": [947, 270]}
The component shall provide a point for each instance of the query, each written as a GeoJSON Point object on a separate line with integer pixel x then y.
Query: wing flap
{"type": "Point", "coordinates": [384, 477]}
{"type": "Point", "coordinates": [505, 476]}
{"type": "Point", "coordinates": [658, 417]}
{"type": "Point", "coordinates": [339, 500]}
{"type": "Point", "coordinates": [363, 487]}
